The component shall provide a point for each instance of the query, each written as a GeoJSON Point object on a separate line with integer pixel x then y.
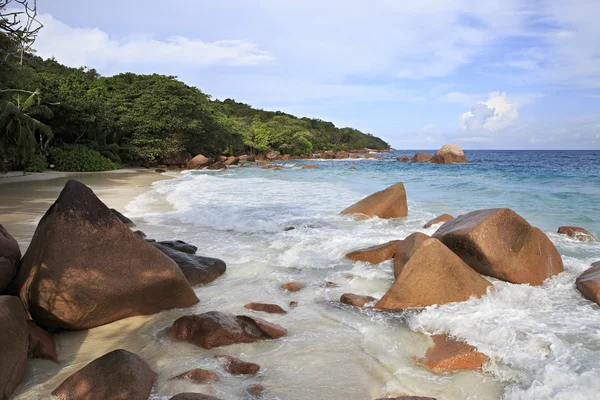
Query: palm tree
{"type": "Point", "coordinates": [18, 127]}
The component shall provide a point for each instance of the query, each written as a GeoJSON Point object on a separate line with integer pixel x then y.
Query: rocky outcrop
{"type": "Point", "coordinates": [588, 283]}
{"type": "Point", "coordinates": [217, 165]}
{"type": "Point", "coordinates": [448, 355]}
{"type": "Point", "coordinates": [116, 375]}
{"type": "Point", "coordinates": [577, 233]}
{"type": "Point", "coordinates": [375, 254]}
{"type": "Point", "coordinates": [178, 159]}
{"type": "Point", "coordinates": [123, 218]}
{"type": "Point", "coordinates": [85, 268]}
{"type": "Point", "coordinates": [193, 396]}
{"type": "Point", "coordinates": [196, 269]}
{"type": "Point", "coordinates": [215, 329]}
{"type": "Point", "coordinates": [41, 343]}
{"type": "Point", "coordinates": [13, 344]}
{"type": "Point", "coordinates": [500, 243]}
{"type": "Point", "coordinates": [356, 300]}
{"type": "Point", "coordinates": [421, 157]}
{"type": "Point", "coordinates": [198, 375]}
{"type": "Point", "coordinates": [272, 155]}
{"type": "Point", "coordinates": [231, 161]}
{"type": "Point", "coordinates": [403, 159]}
{"type": "Point", "coordinates": [438, 220]}
{"type": "Point", "coordinates": [596, 264]}
{"type": "Point", "coordinates": [198, 162]}
{"type": "Point", "coordinates": [433, 275]}
{"type": "Point", "coordinates": [310, 166]}
{"type": "Point", "coordinates": [388, 203]}
{"type": "Point", "coordinates": [235, 366]}
{"type": "Point", "coordinates": [10, 255]}
{"type": "Point", "coordinates": [267, 308]}
{"type": "Point", "coordinates": [291, 286]}
{"type": "Point", "coordinates": [449, 154]}
{"type": "Point", "coordinates": [179, 245]}
{"type": "Point", "coordinates": [406, 249]}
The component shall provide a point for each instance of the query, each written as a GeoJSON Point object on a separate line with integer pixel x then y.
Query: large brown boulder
{"type": "Point", "coordinates": [235, 366]}
{"type": "Point", "coordinates": [588, 283]}
{"type": "Point", "coordinates": [41, 343]}
{"type": "Point", "coordinates": [197, 162]}
{"type": "Point", "coordinates": [449, 154]}
{"type": "Point", "coordinates": [85, 268]}
{"type": "Point", "coordinates": [500, 243]}
{"type": "Point", "coordinates": [388, 203]}
{"type": "Point", "coordinates": [577, 233]}
{"type": "Point", "coordinates": [13, 344]}
{"type": "Point", "coordinates": [375, 254]}
{"type": "Point", "coordinates": [197, 269]}
{"type": "Point", "coordinates": [10, 255]}
{"type": "Point", "coordinates": [438, 220]}
{"type": "Point", "coordinates": [116, 375]}
{"type": "Point", "coordinates": [433, 275]}
{"type": "Point", "coordinates": [406, 249]}
{"type": "Point", "coordinates": [421, 157]}
{"type": "Point", "coordinates": [215, 329]}
{"type": "Point", "coordinates": [448, 355]}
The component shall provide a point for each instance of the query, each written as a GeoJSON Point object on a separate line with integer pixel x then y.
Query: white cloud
{"type": "Point", "coordinates": [94, 48]}
{"type": "Point", "coordinates": [493, 115]}
{"type": "Point", "coordinates": [428, 128]}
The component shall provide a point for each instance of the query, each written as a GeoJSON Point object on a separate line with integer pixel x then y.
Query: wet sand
{"type": "Point", "coordinates": [25, 198]}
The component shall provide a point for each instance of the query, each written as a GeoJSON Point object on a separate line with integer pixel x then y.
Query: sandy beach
{"type": "Point", "coordinates": [24, 198]}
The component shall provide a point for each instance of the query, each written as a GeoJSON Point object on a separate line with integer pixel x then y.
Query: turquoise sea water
{"type": "Point", "coordinates": [543, 342]}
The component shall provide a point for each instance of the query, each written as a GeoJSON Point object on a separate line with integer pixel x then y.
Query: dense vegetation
{"type": "Point", "coordinates": [131, 118]}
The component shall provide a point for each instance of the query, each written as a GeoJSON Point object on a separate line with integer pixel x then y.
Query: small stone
{"type": "Point", "coordinates": [291, 286]}
{"type": "Point", "coordinates": [198, 375]}
{"type": "Point", "coordinates": [235, 366]}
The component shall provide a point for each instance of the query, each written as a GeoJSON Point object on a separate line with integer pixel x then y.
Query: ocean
{"type": "Point", "coordinates": [543, 342]}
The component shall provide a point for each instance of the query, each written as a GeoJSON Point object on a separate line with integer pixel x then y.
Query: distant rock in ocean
{"type": "Point", "coordinates": [577, 233]}
{"type": "Point", "coordinates": [449, 154]}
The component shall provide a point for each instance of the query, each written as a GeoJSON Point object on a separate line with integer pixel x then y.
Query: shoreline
{"type": "Point", "coordinates": [25, 198]}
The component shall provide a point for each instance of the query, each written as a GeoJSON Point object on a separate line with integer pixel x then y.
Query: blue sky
{"type": "Point", "coordinates": [498, 74]}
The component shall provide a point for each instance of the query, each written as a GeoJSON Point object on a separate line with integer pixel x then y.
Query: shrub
{"type": "Point", "coordinates": [77, 158]}
{"type": "Point", "coordinates": [36, 163]}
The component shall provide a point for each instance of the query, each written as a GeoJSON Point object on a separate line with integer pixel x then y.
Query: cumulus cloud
{"type": "Point", "coordinates": [493, 115]}
{"type": "Point", "coordinates": [94, 48]}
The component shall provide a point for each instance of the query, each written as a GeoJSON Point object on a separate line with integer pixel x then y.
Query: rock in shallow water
{"type": "Point", "coordinates": [577, 233]}
{"type": "Point", "coordinates": [388, 203]}
{"type": "Point", "coordinates": [449, 154]}
{"type": "Point", "coordinates": [433, 275]}
{"type": "Point", "coordinates": [215, 329]}
{"type": "Point", "coordinates": [85, 268]}
{"type": "Point", "coordinates": [448, 355]}
{"type": "Point", "coordinates": [356, 300]}
{"type": "Point", "coordinates": [198, 375]}
{"type": "Point", "coordinates": [119, 374]}
{"type": "Point", "coordinates": [235, 366]}
{"type": "Point", "coordinates": [291, 286]}
{"type": "Point", "coordinates": [193, 396]}
{"type": "Point", "coordinates": [438, 220]}
{"type": "Point", "coordinates": [406, 249]}
{"type": "Point", "coordinates": [375, 254]}
{"type": "Point", "coordinates": [588, 283]}
{"type": "Point", "coordinates": [13, 344]}
{"type": "Point", "coordinates": [197, 269]}
{"type": "Point", "coordinates": [267, 308]}
{"type": "Point", "coordinates": [180, 245]}
{"type": "Point", "coordinates": [500, 243]}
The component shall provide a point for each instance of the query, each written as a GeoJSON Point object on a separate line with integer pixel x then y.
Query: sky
{"type": "Point", "coordinates": [487, 74]}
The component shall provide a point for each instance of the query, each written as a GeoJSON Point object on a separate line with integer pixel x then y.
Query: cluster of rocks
{"type": "Point", "coordinates": [450, 265]}
{"type": "Point", "coordinates": [58, 286]}
{"type": "Point", "coordinates": [448, 154]}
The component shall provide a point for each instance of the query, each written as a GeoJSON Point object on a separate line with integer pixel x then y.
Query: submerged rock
{"type": "Point", "coordinates": [421, 157]}
{"type": "Point", "coordinates": [215, 329]}
{"type": "Point", "coordinates": [267, 308]}
{"type": "Point", "coordinates": [198, 375]}
{"type": "Point", "coordinates": [500, 243]}
{"type": "Point", "coordinates": [588, 283]}
{"type": "Point", "coordinates": [84, 268]}
{"type": "Point", "coordinates": [449, 154]}
{"type": "Point", "coordinates": [193, 396]}
{"type": "Point", "coordinates": [235, 366]}
{"type": "Point", "coordinates": [448, 355]}
{"type": "Point", "coordinates": [388, 203]}
{"type": "Point", "coordinates": [292, 286]}
{"type": "Point", "coordinates": [13, 344]}
{"type": "Point", "coordinates": [438, 220]}
{"type": "Point", "coordinates": [255, 390]}
{"type": "Point", "coordinates": [198, 161]}
{"type": "Point", "coordinates": [10, 255]}
{"type": "Point", "coordinates": [41, 343]}
{"type": "Point", "coordinates": [119, 374]}
{"type": "Point", "coordinates": [577, 233]}
{"type": "Point", "coordinates": [123, 218]}
{"type": "Point", "coordinates": [406, 249]}
{"type": "Point", "coordinates": [179, 245]}
{"type": "Point", "coordinates": [196, 269]}
{"type": "Point", "coordinates": [310, 166]}
{"type": "Point", "coordinates": [375, 254]}
{"type": "Point", "coordinates": [403, 159]}
{"type": "Point", "coordinates": [433, 275]}
{"type": "Point", "coordinates": [356, 300]}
